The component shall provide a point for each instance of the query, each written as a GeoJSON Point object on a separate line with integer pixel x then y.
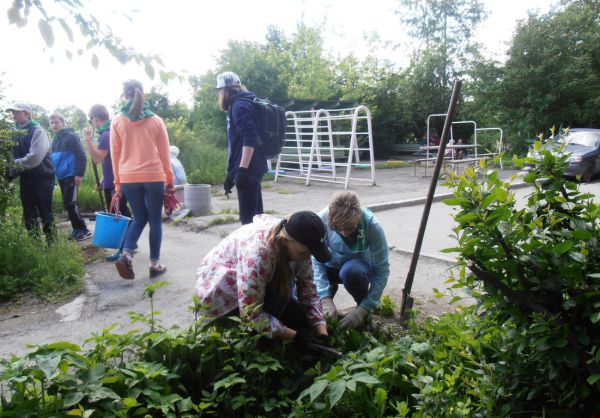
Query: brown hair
{"type": "Point", "coordinates": [344, 208]}
{"type": "Point", "coordinates": [229, 95]}
{"type": "Point", "coordinates": [133, 89]}
{"type": "Point", "coordinates": [280, 284]}
{"type": "Point", "coordinates": [99, 111]}
{"type": "Point", "coordinates": [57, 115]}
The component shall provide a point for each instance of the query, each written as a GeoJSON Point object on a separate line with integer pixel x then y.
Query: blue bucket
{"type": "Point", "coordinates": [110, 230]}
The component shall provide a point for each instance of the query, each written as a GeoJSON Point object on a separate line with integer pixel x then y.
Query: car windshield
{"type": "Point", "coordinates": [586, 139]}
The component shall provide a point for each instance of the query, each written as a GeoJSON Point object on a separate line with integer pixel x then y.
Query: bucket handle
{"type": "Point", "coordinates": [115, 203]}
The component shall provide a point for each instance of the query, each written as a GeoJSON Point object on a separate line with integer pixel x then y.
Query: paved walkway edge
{"type": "Point", "coordinates": [377, 207]}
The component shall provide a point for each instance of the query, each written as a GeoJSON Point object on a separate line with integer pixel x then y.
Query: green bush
{"type": "Point", "coordinates": [536, 270]}
{"type": "Point", "coordinates": [27, 264]}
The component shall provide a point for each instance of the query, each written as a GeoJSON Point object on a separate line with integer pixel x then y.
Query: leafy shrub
{"type": "Point", "coordinates": [537, 270]}
{"type": "Point", "coordinates": [28, 264]}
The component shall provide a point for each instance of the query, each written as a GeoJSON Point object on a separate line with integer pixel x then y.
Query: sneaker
{"type": "Point", "coordinates": [114, 256]}
{"type": "Point", "coordinates": [157, 271]}
{"type": "Point", "coordinates": [81, 235]}
{"type": "Point", "coordinates": [124, 267]}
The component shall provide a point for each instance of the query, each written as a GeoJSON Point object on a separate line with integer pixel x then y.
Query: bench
{"type": "Point", "coordinates": [446, 161]}
{"type": "Point", "coordinates": [407, 148]}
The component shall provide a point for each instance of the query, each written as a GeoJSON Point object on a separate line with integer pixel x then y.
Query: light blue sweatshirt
{"type": "Point", "coordinates": [376, 256]}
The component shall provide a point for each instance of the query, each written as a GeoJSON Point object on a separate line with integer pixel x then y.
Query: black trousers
{"type": "Point", "coordinates": [123, 208]}
{"type": "Point", "coordinates": [250, 198]}
{"type": "Point", "coordinates": [68, 188]}
{"type": "Point", "coordinates": [36, 199]}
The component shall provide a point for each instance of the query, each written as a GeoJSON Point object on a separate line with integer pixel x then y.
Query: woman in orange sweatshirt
{"type": "Point", "coordinates": [139, 146]}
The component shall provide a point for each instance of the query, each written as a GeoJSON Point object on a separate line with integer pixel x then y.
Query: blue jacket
{"type": "Point", "coordinates": [68, 155]}
{"type": "Point", "coordinates": [376, 256]}
{"type": "Point", "coordinates": [242, 130]}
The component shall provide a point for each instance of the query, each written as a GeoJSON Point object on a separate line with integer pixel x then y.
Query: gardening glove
{"type": "Point", "coordinates": [242, 178]}
{"type": "Point", "coordinates": [304, 341]}
{"type": "Point", "coordinates": [323, 340]}
{"type": "Point", "coordinates": [329, 308]}
{"type": "Point", "coordinates": [354, 318]}
{"type": "Point", "coordinates": [229, 181]}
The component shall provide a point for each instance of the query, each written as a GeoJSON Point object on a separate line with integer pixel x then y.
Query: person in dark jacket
{"type": "Point", "coordinates": [35, 169]}
{"type": "Point", "coordinates": [100, 119]}
{"type": "Point", "coordinates": [247, 164]}
{"type": "Point", "coordinates": [69, 161]}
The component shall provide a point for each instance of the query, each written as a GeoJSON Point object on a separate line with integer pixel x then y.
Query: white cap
{"type": "Point", "coordinates": [228, 79]}
{"type": "Point", "coordinates": [20, 107]}
{"type": "Point", "coordinates": [174, 150]}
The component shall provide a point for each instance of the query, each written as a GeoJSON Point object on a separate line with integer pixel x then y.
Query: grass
{"type": "Point", "coordinates": [28, 264]}
{"type": "Point", "coordinates": [222, 220]}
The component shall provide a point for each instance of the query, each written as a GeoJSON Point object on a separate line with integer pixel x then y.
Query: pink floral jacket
{"type": "Point", "coordinates": [236, 272]}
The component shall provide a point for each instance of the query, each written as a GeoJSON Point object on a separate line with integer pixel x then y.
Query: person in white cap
{"type": "Point", "coordinates": [246, 164]}
{"type": "Point", "coordinates": [35, 169]}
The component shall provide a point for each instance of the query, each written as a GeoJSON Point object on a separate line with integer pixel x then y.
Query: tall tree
{"type": "Point", "coordinates": [552, 75]}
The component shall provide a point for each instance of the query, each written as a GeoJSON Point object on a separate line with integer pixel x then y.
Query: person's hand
{"type": "Point", "coordinates": [354, 318]}
{"type": "Point", "coordinates": [304, 341]}
{"type": "Point", "coordinates": [242, 178]}
{"type": "Point", "coordinates": [169, 187]}
{"type": "Point", "coordinates": [329, 308]}
{"type": "Point", "coordinates": [78, 180]}
{"type": "Point", "coordinates": [322, 339]}
{"type": "Point", "coordinates": [229, 182]}
{"type": "Point", "coordinates": [88, 133]}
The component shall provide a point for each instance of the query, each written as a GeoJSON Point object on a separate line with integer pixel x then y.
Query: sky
{"type": "Point", "coordinates": [188, 36]}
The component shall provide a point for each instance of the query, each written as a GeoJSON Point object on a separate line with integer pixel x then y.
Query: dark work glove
{"type": "Point", "coordinates": [242, 177]}
{"type": "Point", "coordinates": [322, 340]}
{"type": "Point", "coordinates": [229, 181]}
{"type": "Point", "coordinates": [304, 341]}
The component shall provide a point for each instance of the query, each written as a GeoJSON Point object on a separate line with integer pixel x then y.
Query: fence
{"type": "Point", "coordinates": [326, 145]}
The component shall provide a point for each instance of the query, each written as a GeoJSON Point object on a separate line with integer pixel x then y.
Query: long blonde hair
{"type": "Point", "coordinates": [280, 284]}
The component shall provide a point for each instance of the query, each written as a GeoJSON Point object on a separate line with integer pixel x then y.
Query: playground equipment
{"type": "Point", "coordinates": [322, 144]}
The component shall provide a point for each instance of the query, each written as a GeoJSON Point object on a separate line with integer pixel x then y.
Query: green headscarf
{"type": "Point", "coordinates": [146, 112]}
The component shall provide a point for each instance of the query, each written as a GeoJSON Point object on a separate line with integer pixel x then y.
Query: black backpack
{"type": "Point", "coordinates": [271, 126]}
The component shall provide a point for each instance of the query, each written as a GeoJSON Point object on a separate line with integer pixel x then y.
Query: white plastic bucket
{"type": "Point", "coordinates": [197, 199]}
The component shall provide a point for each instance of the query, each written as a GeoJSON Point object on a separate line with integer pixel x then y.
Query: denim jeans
{"type": "Point", "coordinates": [146, 201]}
{"type": "Point", "coordinates": [354, 275]}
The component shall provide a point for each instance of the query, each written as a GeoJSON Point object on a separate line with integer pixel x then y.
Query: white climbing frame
{"type": "Point", "coordinates": [317, 143]}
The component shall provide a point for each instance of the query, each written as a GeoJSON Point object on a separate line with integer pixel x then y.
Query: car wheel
{"type": "Point", "coordinates": [587, 175]}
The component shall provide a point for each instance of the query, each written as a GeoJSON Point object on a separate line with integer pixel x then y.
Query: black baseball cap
{"type": "Point", "coordinates": [308, 229]}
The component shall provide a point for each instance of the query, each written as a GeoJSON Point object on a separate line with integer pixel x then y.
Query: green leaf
{"type": "Point", "coordinates": [129, 402]}
{"type": "Point", "coordinates": [336, 391]}
{"type": "Point", "coordinates": [72, 398]}
{"type": "Point", "coordinates": [595, 317]}
{"type": "Point", "coordinates": [582, 235]}
{"type": "Point", "coordinates": [365, 378]}
{"type": "Point", "coordinates": [453, 202]}
{"type": "Point", "coordinates": [563, 247]}
{"type": "Point", "coordinates": [102, 393]}
{"type": "Point", "coordinates": [64, 345]}
{"type": "Point", "coordinates": [66, 28]}
{"type": "Point", "coordinates": [149, 71]}
{"type": "Point", "coordinates": [593, 378]}
{"type": "Point", "coordinates": [316, 389]}
{"type": "Point", "coordinates": [47, 32]}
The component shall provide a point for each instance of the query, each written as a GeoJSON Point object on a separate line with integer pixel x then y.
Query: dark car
{"type": "Point", "coordinates": [584, 147]}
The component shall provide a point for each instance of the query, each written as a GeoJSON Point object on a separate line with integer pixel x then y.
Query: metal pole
{"type": "Point", "coordinates": [407, 300]}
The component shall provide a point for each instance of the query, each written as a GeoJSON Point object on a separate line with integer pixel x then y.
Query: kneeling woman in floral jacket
{"type": "Point", "coordinates": [263, 273]}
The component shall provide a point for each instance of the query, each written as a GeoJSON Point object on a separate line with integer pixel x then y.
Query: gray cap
{"type": "Point", "coordinates": [20, 107]}
{"type": "Point", "coordinates": [228, 79]}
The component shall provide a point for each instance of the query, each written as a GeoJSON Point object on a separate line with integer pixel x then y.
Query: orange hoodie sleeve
{"type": "Point", "coordinates": [115, 153]}
{"type": "Point", "coordinates": [162, 143]}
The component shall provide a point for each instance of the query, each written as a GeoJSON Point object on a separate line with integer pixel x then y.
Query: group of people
{"type": "Point", "coordinates": [280, 273]}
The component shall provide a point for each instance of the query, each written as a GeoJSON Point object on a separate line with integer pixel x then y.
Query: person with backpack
{"type": "Point", "coordinates": [262, 273]}
{"type": "Point", "coordinates": [70, 161]}
{"type": "Point", "coordinates": [359, 258]}
{"type": "Point", "coordinates": [246, 163]}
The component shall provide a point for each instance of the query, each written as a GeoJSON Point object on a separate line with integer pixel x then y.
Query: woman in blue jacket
{"type": "Point", "coordinates": [359, 258]}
